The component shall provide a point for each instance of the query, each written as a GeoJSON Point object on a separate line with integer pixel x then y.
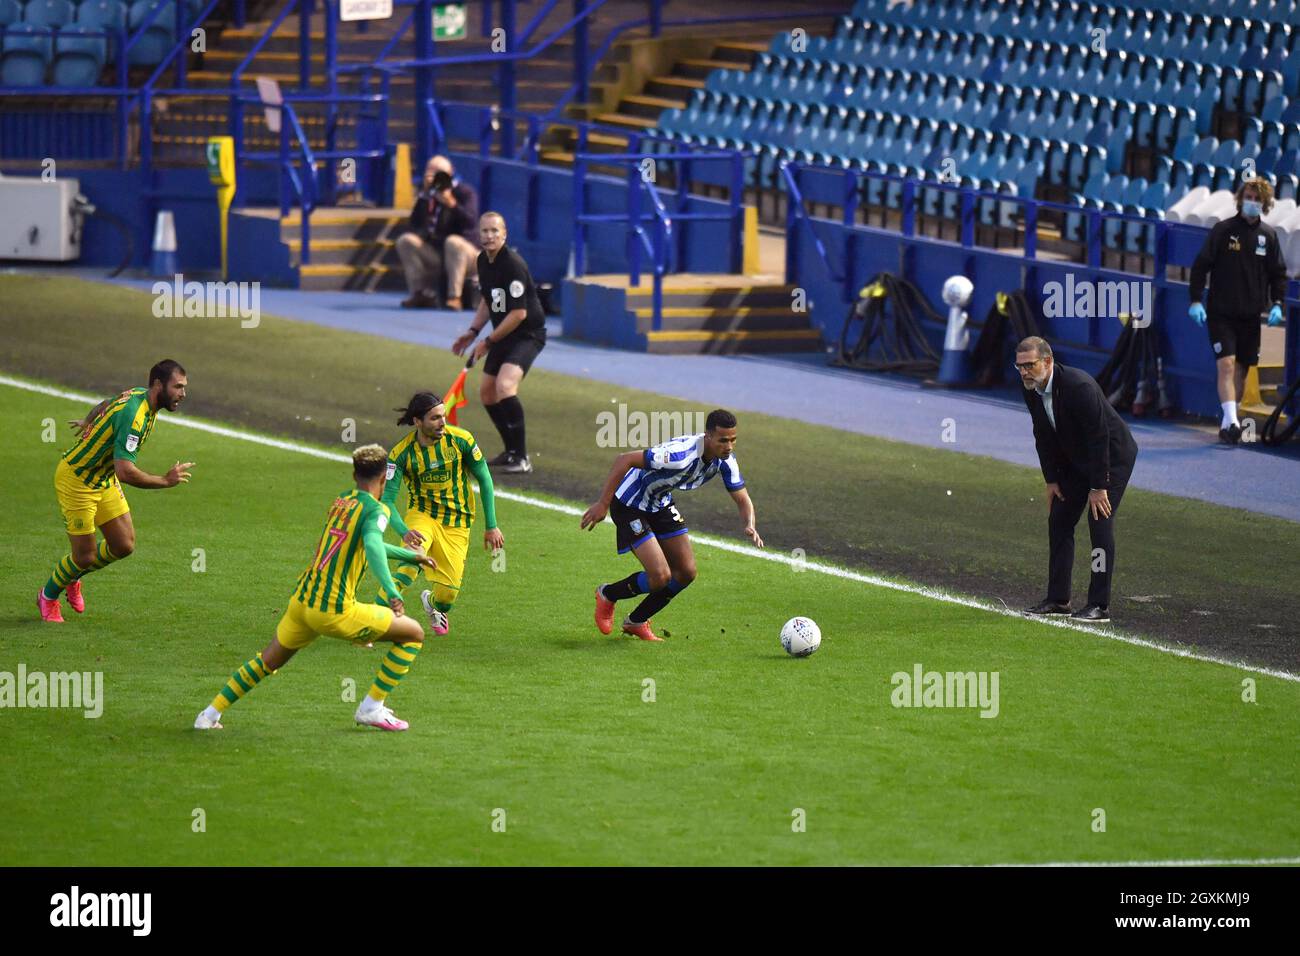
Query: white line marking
{"type": "Point", "coordinates": [1267, 861]}
{"type": "Point", "coordinates": [721, 544]}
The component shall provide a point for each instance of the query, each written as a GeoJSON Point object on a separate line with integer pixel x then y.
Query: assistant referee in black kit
{"type": "Point", "coordinates": [518, 336]}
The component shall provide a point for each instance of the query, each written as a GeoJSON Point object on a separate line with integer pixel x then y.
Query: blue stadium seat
{"type": "Point", "coordinates": [156, 41]}
{"type": "Point", "coordinates": [26, 55]}
{"type": "Point", "coordinates": [78, 58]}
{"type": "Point", "coordinates": [101, 14]}
{"type": "Point", "coordinates": [48, 13]}
{"type": "Point", "coordinates": [11, 11]}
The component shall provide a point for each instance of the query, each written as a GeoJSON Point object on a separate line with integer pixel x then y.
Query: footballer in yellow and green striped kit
{"type": "Point", "coordinates": [89, 477]}
{"type": "Point", "coordinates": [324, 600]}
{"type": "Point", "coordinates": [434, 463]}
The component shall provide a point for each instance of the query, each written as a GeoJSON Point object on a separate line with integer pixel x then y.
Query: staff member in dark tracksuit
{"type": "Point", "coordinates": [1087, 454]}
{"type": "Point", "coordinates": [1243, 259]}
{"type": "Point", "coordinates": [518, 336]}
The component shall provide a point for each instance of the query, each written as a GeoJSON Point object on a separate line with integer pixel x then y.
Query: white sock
{"type": "Point", "coordinates": [211, 713]}
{"type": "Point", "coordinates": [368, 704]}
{"type": "Point", "coordinates": [1229, 414]}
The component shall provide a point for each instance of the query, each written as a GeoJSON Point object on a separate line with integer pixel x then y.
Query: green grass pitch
{"type": "Point", "coordinates": [526, 709]}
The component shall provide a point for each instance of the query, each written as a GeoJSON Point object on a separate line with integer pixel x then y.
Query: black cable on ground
{"type": "Point", "coordinates": [1118, 377]}
{"type": "Point", "coordinates": [125, 230]}
{"type": "Point", "coordinates": [1010, 312]}
{"type": "Point", "coordinates": [886, 316]}
{"type": "Point", "coordinates": [1269, 434]}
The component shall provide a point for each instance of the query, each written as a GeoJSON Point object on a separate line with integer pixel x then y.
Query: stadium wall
{"type": "Point", "coordinates": [1083, 342]}
{"type": "Point", "coordinates": [136, 200]}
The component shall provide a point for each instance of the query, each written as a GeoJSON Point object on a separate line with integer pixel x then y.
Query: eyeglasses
{"type": "Point", "coordinates": [1026, 366]}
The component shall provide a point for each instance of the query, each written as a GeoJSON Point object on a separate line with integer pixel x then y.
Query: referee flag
{"type": "Point", "coordinates": [455, 397]}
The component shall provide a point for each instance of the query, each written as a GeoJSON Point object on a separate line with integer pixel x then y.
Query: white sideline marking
{"type": "Point", "coordinates": [1267, 861]}
{"type": "Point", "coordinates": [719, 543]}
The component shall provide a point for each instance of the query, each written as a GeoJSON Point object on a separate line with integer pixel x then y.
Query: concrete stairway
{"type": "Point", "coordinates": [707, 314]}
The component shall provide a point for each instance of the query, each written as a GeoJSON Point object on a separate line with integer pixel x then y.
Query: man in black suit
{"type": "Point", "coordinates": [1087, 454]}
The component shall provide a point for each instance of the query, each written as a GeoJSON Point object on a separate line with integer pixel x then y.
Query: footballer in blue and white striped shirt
{"type": "Point", "coordinates": [638, 496]}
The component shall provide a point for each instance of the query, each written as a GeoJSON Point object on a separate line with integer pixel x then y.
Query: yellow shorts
{"type": "Point", "coordinates": [447, 546]}
{"type": "Point", "coordinates": [358, 623]}
{"type": "Point", "coordinates": [85, 509]}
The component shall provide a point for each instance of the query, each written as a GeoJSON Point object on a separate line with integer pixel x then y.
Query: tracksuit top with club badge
{"type": "Point", "coordinates": [1243, 260]}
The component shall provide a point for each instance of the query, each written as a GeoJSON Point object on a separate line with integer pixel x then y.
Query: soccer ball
{"type": "Point", "coordinates": [801, 636]}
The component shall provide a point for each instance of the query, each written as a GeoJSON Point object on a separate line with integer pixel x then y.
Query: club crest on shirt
{"type": "Point", "coordinates": [636, 526]}
{"type": "Point", "coordinates": [1261, 245]}
{"type": "Point", "coordinates": [516, 289]}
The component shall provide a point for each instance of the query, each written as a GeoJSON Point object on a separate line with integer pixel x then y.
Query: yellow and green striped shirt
{"type": "Point", "coordinates": [436, 477]}
{"type": "Point", "coordinates": [126, 424]}
{"type": "Point", "coordinates": [330, 581]}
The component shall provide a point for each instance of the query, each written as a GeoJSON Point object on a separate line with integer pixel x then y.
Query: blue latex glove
{"type": "Point", "coordinates": [1197, 312]}
{"type": "Point", "coordinates": [1275, 316]}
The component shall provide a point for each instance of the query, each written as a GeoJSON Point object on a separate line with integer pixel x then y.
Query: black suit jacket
{"type": "Point", "coordinates": [1089, 436]}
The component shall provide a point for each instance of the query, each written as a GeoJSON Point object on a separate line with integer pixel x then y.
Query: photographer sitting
{"type": "Point", "coordinates": [442, 242]}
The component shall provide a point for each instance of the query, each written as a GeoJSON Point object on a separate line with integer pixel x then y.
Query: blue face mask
{"type": "Point", "coordinates": [1250, 209]}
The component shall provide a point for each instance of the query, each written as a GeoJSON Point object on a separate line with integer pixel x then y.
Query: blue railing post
{"type": "Point", "coordinates": [849, 217]}
{"type": "Point", "coordinates": [304, 44]}
{"type": "Point", "coordinates": [180, 33]}
{"type": "Point", "coordinates": [967, 218]}
{"type": "Point", "coordinates": [634, 183]}
{"type": "Point", "coordinates": [332, 44]}
{"type": "Point", "coordinates": [284, 164]}
{"type": "Point", "coordinates": [909, 208]}
{"type": "Point", "coordinates": [1031, 230]}
{"type": "Point", "coordinates": [580, 51]}
{"type": "Point", "coordinates": [146, 131]}
{"type": "Point", "coordinates": [1094, 238]}
{"type": "Point", "coordinates": [657, 296]}
{"type": "Point", "coordinates": [424, 78]}
{"type": "Point", "coordinates": [656, 17]}
{"type": "Point", "coordinates": [485, 118]}
{"type": "Point", "coordinates": [579, 210]}
{"type": "Point", "coordinates": [239, 13]}
{"type": "Point", "coordinates": [534, 134]}
{"type": "Point", "coordinates": [332, 85]}
{"type": "Point", "coordinates": [737, 211]}
{"type": "Point", "coordinates": [791, 223]}
{"type": "Point", "coordinates": [124, 106]}
{"type": "Point", "coordinates": [507, 79]}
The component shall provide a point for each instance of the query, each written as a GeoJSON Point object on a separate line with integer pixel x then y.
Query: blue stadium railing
{"type": "Point", "coordinates": [122, 93]}
{"type": "Point", "coordinates": [659, 243]}
{"type": "Point", "coordinates": [848, 185]}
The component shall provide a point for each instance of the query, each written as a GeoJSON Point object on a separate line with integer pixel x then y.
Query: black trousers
{"type": "Point", "coordinates": [1060, 535]}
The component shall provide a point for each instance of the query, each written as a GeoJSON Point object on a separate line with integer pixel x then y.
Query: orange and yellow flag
{"type": "Point", "coordinates": [455, 397]}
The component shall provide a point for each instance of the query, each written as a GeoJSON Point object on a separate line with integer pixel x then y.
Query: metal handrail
{"type": "Point", "coordinates": [594, 60]}
{"type": "Point", "coordinates": [661, 217]}
{"type": "Point", "coordinates": [482, 57]}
